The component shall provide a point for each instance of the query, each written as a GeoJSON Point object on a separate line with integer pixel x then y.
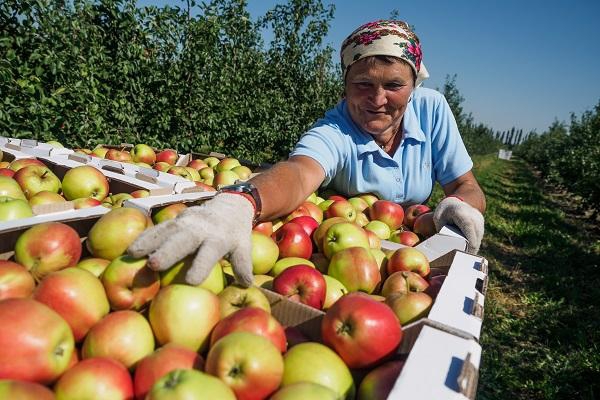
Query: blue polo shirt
{"type": "Point", "coordinates": [431, 150]}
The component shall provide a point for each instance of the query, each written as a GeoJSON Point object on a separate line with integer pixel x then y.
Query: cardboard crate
{"type": "Point", "coordinates": [10, 152]}
{"type": "Point", "coordinates": [446, 240]}
{"type": "Point", "coordinates": [150, 204]}
{"type": "Point", "coordinates": [38, 149]}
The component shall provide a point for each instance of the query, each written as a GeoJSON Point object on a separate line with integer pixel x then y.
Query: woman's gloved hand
{"type": "Point", "coordinates": [220, 226]}
{"type": "Point", "coordinates": [453, 211]}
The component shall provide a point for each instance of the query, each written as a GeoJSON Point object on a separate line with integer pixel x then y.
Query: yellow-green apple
{"type": "Point", "coordinates": [10, 188]}
{"type": "Point", "coordinates": [55, 143]}
{"type": "Point", "coordinates": [306, 208]}
{"type": "Point", "coordinates": [412, 212]}
{"type": "Point", "coordinates": [335, 290]}
{"type": "Point", "coordinates": [249, 364]}
{"type": "Point", "coordinates": [227, 164]}
{"type": "Point", "coordinates": [116, 200]}
{"type": "Point", "coordinates": [234, 297]}
{"type": "Point", "coordinates": [312, 197]}
{"type": "Point", "coordinates": [15, 281]}
{"type": "Point", "coordinates": [242, 171]}
{"type": "Point", "coordinates": [361, 219]}
{"type": "Point", "coordinates": [205, 187]}
{"type": "Point", "coordinates": [407, 238]}
{"type": "Point", "coordinates": [129, 283]}
{"type": "Point", "coordinates": [254, 320]}
{"type": "Point", "coordinates": [124, 336]}
{"type": "Point", "coordinates": [369, 198]}
{"type": "Point", "coordinates": [264, 253]}
{"type": "Point", "coordinates": [112, 234]}
{"type": "Point", "coordinates": [180, 171]}
{"type": "Point", "coordinates": [94, 265]}
{"type": "Point", "coordinates": [266, 228]}
{"type": "Point", "coordinates": [409, 306]}
{"type": "Point", "coordinates": [263, 281]}
{"type": "Point", "coordinates": [207, 173]}
{"type": "Point", "coordinates": [77, 296]}
{"type": "Point", "coordinates": [161, 166]}
{"type": "Point", "coordinates": [324, 205]}
{"type": "Point", "coordinates": [193, 173]}
{"type": "Point", "coordinates": [143, 153]}
{"type": "Point", "coordinates": [95, 378]}
{"type": "Point", "coordinates": [37, 343]}
{"type": "Point", "coordinates": [22, 390]}
{"type": "Point", "coordinates": [16, 165]}
{"type": "Point", "coordinates": [356, 269]}
{"type": "Point", "coordinates": [424, 226]}
{"type": "Point", "coordinates": [211, 161]}
{"type": "Point", "coordinates": [303, 284]}
{"type": "Point", "coordinates": [225, 178]}
{"type": "Point", "coordinates": [387, 211]}
{"type": "Point", "coordinates": [341, 208]}
{"type": "Point", "coordinates": [84, 181]}
{"type": "Point", "coordinates": [184, 315]}
{"type": "Point", "coordinates": [277, 223]}
{"type": "Point", "coordinates": [350, 325]}
{"type": "Point", "coordinates": [169, 156]}
{"type": "Point", "coordinates": [374, 240]}
{"type": "Point", "coordinates": [380, 228]}
{"type": "Point", "coordinates": [158, 364]}
{"type": "Point", "coordinates": [197, 164]}
{"type": "Point", "coordinates": [380, 258]}
{"type": "Point", "coordinates": [359, 204]}
{"type": "Point", "coordinates": [435, 284]}
{"type": "Point", "coordinates": [317, 363]}
{"type": "Point", "coordinates": [187, 384]}
{"type": "Point", "coordinates": [118, 155]}
{"type": "Point", "coordinates": [7, 172]}
{"type": "Point", "coordinates": [215, 281]}
{"type": "Point", "coordinates": [83, 151]}
{"type": "Point", "coordinates": [286, 262]}
{"type": "Point", "coordinates": [138, 194]}
{"type": "Point", "coordinates": [308, 223]}
{"type": "Point", "coordinates": [86, 202]}
{"type": "Point", "coordinates": [100, 152]}
{"type": "Point", "coordinates": [48, 247]}
{"type": "Point", "coordinates": [304, 390]}
{"type": "Point", "coordinates": [343, 235]}
{"type": "Point", "coordinates": [168, 212]}
{"type": "Point", "coordinates": [408, 259]}
{"type": "Point", "coordinates": [319, 233]}
{"type": "Point", "coordinates": [403, 281]}
{"type": "Point", "coordinates": [380, 381]}
{"type": "Point", "coordinates": [11, 209]}
{"type": "Point", "coordinates": [293, 241]}
{"type": "Point", "coordinates": [36, 178]}
{"type": "Point", "coordinates": [45, 197]}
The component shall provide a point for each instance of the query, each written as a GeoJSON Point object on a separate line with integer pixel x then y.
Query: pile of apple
{"type": "Point", "coordinates": [209, 173]}
{"type": "Point", "coordinates": [80, 319]}
{"type": "Point", "coordinates": [28, 182]}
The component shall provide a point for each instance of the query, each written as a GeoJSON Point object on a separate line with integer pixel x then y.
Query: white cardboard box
{"type": "Point", "coordinates": [438, 245]}
{"type": "Point", "coordinates": [148, 204]}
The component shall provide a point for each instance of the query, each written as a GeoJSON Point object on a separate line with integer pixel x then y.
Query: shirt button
{"type": "Point", "coordinates": [398, 179]}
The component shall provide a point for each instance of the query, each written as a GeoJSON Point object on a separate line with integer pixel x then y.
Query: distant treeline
{"type": "Point", "coordinates": [198, 77]}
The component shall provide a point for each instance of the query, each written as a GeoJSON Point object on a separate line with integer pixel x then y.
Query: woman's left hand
{"type": "Point", "coordinates": [467, 218]}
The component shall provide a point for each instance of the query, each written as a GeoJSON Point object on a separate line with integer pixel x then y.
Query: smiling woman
{"type": "Point", "coordinates": [387, 136]}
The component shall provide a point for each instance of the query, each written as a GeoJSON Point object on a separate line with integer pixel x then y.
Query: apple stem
{"type": "Point", "coordinates": [235, 372]}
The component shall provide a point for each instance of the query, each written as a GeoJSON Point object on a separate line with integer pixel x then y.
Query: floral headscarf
{"type": "Point", "coordinates": [384, 38]}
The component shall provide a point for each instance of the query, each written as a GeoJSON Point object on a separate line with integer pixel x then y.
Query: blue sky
{"type": "Point", "coordinates": [518, 63]}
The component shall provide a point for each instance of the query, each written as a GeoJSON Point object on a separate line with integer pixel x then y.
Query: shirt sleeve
{"type": "Point", "coordinates": [450, 157]}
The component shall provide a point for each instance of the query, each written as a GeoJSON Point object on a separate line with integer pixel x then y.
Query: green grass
{"type": "Point", "coordinates": [541, 332]}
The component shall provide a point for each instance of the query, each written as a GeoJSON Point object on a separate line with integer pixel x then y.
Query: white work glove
{"type": "Point", "coordinates": [453, 211]}
{"type": "Point", "coordinates": [220, 226]}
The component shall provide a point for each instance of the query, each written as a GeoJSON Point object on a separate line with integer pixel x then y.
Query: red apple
{"type": "Point", "coordinates": [293, 241]}
{"type": "Point", "coordinates": [407, 238]}
{"type": "Point", "coordinates": [77, 296]}
{"type": "Point", "coordinates": [100, 152]}
{"type": "Point", "coordinates": [424, 225]}
{"type": "Point", "coordinates": [168, 212]}
{"type": "Point", "coordinates": [249, 364]}
{"type": "Point", "coordinates": [86, 202]}
{"type": "Point", "coordinates": [36, 178]}
{"type": "Point", "coordinates": [7, 172]}
{"type": "Point", "coordinates": [379, 382]}
{"type": "Point", "coordinates": [313, 211]}
{"type": "Point", "coordinates": [266, 228]}
{"type": "Point", "coordinates": [336, 197]}
{"type": "Point", "coordinates": [45, 197]}
{"type": "Point", "coordinates": [23, 390]}
{"type": "Point", "coordinates": [374, 240]}
{"type": "Point", "coordinates": [408, 259]}
{"type": "Point", "coordinates": [84, 181]}
{"type": "Point", "coordinates": [16, 165]}
{"type": "Point", "coordinates": [169, 156]}
{"type": "Point", "coordinates": [184, 315]}
{"type": "Point", "coordinates": [197, 164]}
{"type": "Point", "coordinates": [356, 269]}
{"type": "Point", "coordinates": [351, 324]}
{"type": "Point", "coordinates": [124, 336]}
{"type": "Point", "coordinates": [129, 283]}
{"type": "Point", "coordinates": [37, 344]}
{"type": "Point", "coordinates": [95, 378]}
{"type": "Point", "coordinates": [303, 284]}
{"type": "Point", "coordinates": [118, 155]}
{"type": "Point", "coordinates": [387, 211]}
{"type": "Point", "coordinates": [15, 281]}
{"type": "Point", "coordinates": [309, 224]}
{"type": "Point", "coordinates": [143, 153]}
{"type": "Point", "coordinates": [409, 306]}
{"type": "Point", "coordinates": [253, 320]}
{"type": "Point", "coordinates": [141, 193]}
{"type": "Point", "coordinates": [403, 282]}
{"type": "Point", "coordinates": [48, 247]}
{"type": "Point", "coordinates": [294, 336]}
{"type": "Point", "coordinates": [341, 208]}
{"type": "Point", "coordinates": [161, 166]}
{"type": "Point", "coordinates": [158, 364]}
{"type": "Point", "coordinates": [412, 212]}
{"type": "Point", "coordinates": [188, 384]}
{"type": "Point", "coordinates": [435, 284]}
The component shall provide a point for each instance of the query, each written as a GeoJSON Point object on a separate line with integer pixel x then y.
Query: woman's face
{"type": "Point", "coordinates": [377, 94]}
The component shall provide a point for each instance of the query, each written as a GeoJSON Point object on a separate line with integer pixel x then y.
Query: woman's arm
{"type": "Point", "coordinates": [467, 188]}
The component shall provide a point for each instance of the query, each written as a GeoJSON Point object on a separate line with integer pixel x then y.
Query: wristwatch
{"type": "Point", "coordinates": [249, 191]}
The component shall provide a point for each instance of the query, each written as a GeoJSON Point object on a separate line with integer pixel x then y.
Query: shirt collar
{"type": "Point", "coordinates": [364, 141]}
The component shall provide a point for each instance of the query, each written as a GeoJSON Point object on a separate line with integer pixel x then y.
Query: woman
{"type": "Point", "coordinates": [387, 136]}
